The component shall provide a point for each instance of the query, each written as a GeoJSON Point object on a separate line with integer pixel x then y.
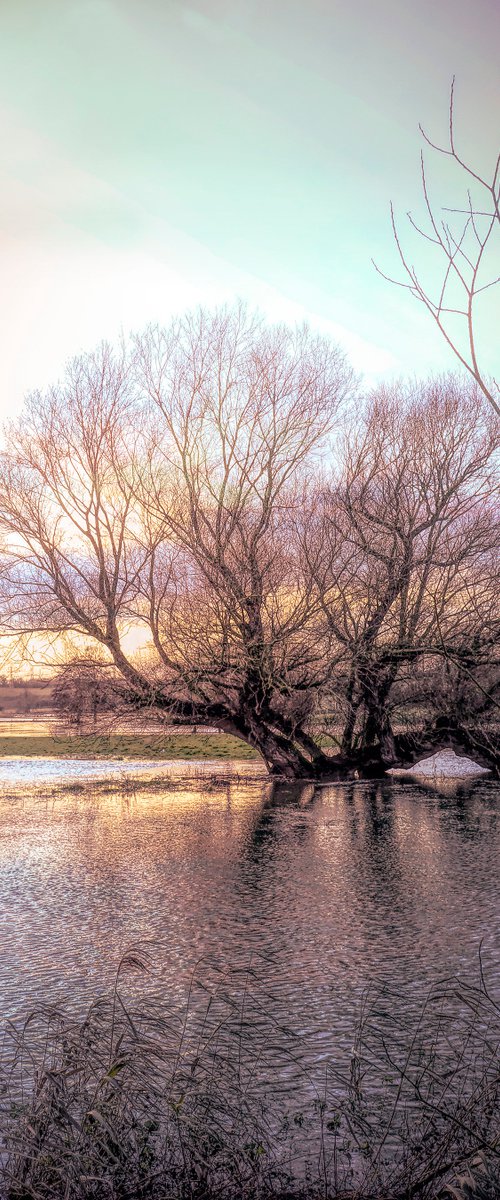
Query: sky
{"type": "Point", "coordinates": [158, 154]}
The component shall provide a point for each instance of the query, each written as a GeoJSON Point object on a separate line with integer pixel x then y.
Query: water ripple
{"type": "Point", "coordinates": [321, 892]}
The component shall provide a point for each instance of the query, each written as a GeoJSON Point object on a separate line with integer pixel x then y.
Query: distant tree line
{"type": "Point", "coordinates": [315, 567]}
{"type": "Point", "coordinates": [23, 681]}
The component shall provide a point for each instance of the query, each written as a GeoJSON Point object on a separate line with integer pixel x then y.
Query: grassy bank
{"type": "Point", "coordinates": [142, 1099]}
{"type": "Point", "coordinates": [127, 745]}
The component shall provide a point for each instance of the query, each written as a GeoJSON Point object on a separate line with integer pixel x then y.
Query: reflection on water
{"type": "Point", "coordinates": [322, 890]}
{"type": "Point", "coordinates": [41, 772]}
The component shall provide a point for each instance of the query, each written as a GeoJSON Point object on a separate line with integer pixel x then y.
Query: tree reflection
{"type": "Point", "coordinates": [266, 830]}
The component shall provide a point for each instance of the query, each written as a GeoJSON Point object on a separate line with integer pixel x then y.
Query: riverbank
{"type": "Point", "coordinates": [127, 745]}
{"type": "Point", "coordinates": [37, 740]}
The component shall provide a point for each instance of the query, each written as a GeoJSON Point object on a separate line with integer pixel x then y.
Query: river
{"type": "Point", "coordinates": [321, 892]}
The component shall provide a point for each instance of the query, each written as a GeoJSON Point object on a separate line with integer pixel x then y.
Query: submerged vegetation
{"type": "Point", "coordinates": [143, 1099]}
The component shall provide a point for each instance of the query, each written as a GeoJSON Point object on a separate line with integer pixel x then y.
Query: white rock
{"type": "Point", "coordinates": [443, 765]}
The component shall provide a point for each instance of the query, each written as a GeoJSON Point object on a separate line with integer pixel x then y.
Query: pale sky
{"type": "Point", "coordinates": [157, 154]}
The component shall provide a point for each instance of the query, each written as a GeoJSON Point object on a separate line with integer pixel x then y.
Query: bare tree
{"type": "Point", "coordinates": [403, 550]}
{"type": "Point", "coordinates": [239, 414]}
{"type": "Point", "coordinates": [74, 556]}
{"type": "Point", "coordinates": [83, 692]}
{"type": "Point", "coordinates": [181, 485]}
{"type": "Point", "coordinates": [466, 240]}
{"type": "Point", "coordinates": [153, 487]}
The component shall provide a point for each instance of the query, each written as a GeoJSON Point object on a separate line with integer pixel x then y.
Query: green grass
{"type": "Point", "coordinates": [117, 745]}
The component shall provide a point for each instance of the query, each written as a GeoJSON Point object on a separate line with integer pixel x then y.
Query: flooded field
{"type": "Point", "coordinates": [320, 892]}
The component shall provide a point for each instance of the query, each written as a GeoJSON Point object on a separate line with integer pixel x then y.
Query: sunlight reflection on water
{"type": "Point", "coordinates": [17, 771]}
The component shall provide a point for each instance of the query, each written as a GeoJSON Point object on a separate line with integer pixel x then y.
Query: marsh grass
{"type": "Point", "coordinates": [130, 786]}
{"type": "Point", "coordinates": [144, 1098]}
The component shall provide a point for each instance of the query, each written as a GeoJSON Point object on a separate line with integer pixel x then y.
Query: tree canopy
{"type": "Point", "coordinates": [299, 554]}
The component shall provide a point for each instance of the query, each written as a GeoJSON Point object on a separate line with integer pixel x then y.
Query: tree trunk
{"type": "Point", "coordinates": [379, 736]}
{"type": "Point", "coordinates": [288, 751]}
{"type": "Point", "coordinates": [378, 733]}
{"type": "Point", "coordinates": [281, 753]}
{"type": "Point", "coordinates": [352, 712]}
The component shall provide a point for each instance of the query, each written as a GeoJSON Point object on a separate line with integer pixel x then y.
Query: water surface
{"type": "Point", "coordinates": [322, 891]}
